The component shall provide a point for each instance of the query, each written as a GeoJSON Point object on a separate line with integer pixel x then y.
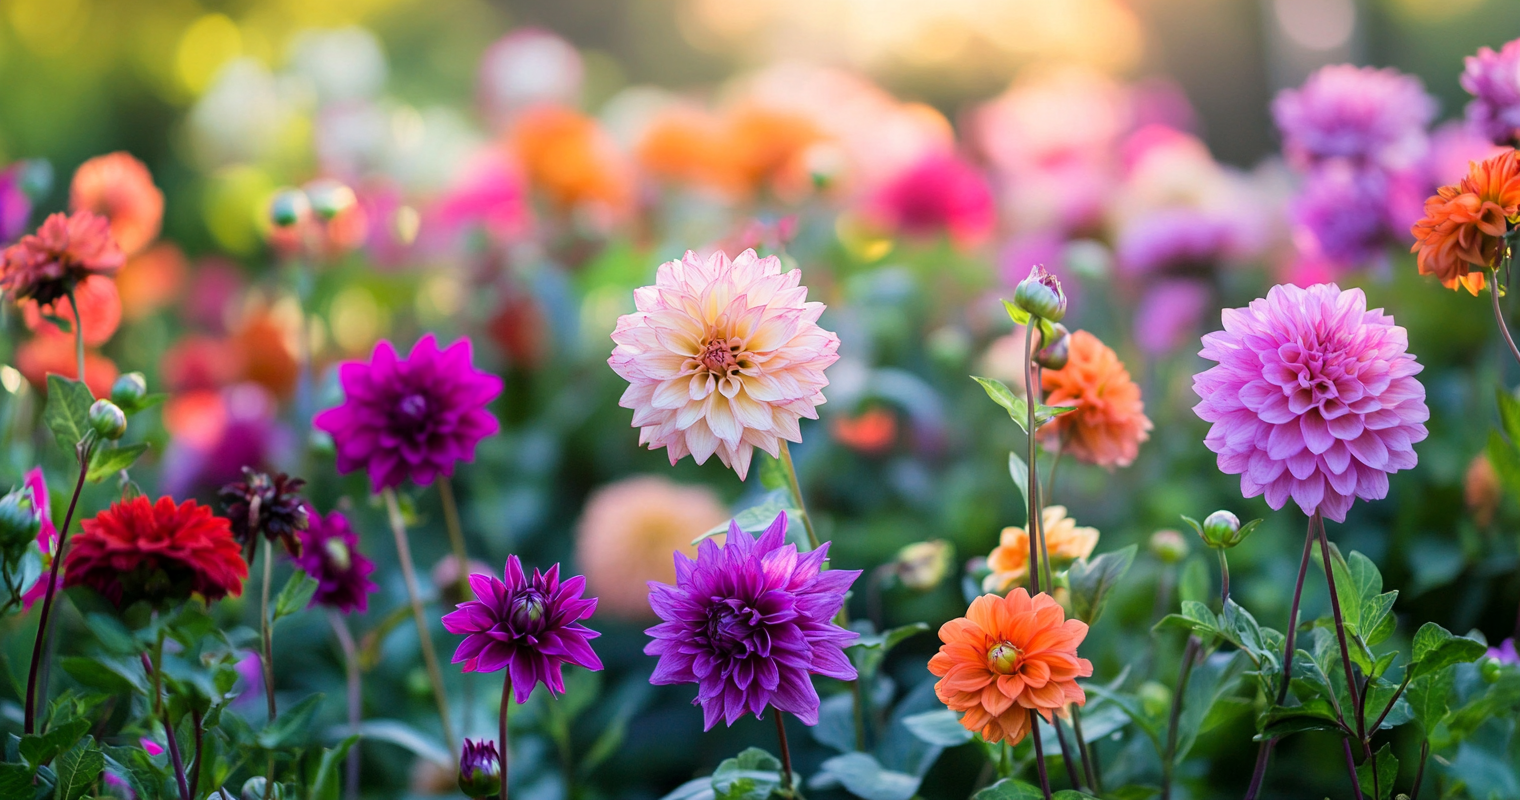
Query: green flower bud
{"type": "Point", "coordinates": [1490, 668]}
{"type": "Point", "coordinates": [1155, 699]}
{"type": "Point", "coordinates": [1040, 294]}
{"type": "Point", "coordinates": [129, 390]}
{"type": "Point", "coordinates": [921, 566]}
{"type": "Point", "coordinates": [1004, 658]}
{"type": "Point", "coordinates": [19, 521]}
{"type": "Point", "coordinates": [107, 419]}
{"type": "Point", "coordinates": [1222, 529]}
{"type": "Point", "coordinates": [288, 207]}
{"type": "Point", "coordinates": [1055, 354]}
{"type": "Point", "coordinates": [1169, 546]}
{"type": "Point", "coordinates": [329, 198]}
{"type": "Point", "coordinates": [480, 769]}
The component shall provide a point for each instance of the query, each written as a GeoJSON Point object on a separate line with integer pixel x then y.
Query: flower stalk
{"type": "Point", "coordinates": [355, 700]}
{"type": "Point", "coordinates": [1340, 634]}
{"type": "Point", "coordinates": [429, 657]}
{"type": "Point", "coordinates": [1036, 535]}
{"type": "Point", "coordinates": [1169, 760]}
{"type": "Point", "coordinates": [1493, 293]}
{"type": "Point", "coordinates": [78, 334]}
{"type": "Point", "coordinates": [1039, 753]}
{"type": "Point", "coordinates": [501, 732]}
{"type": "Point", "coordinates": [456, 535]}
{"type": "Point", "coordinates": [82, 453]}
{"type": "Point", "coordinates": [786, 755]}
{"type": "Point", "coordinates": [796, 489]}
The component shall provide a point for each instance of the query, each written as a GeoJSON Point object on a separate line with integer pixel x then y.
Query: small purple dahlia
{"type": "Point", "coordinates": [479, 769]}
{"type": "Point", "coordinates": [1314, 398]}
{"type": "Point", "coordinates": [1493, 79]}
{"type": "Point", "coordinates": [531, 627]}
{"type": "Point", "coordinates": [748, 622]}
{"type": "Point", "coordinates": [1374, 117]}
{"type": "Point", "coordinates": [330, 555]}
{"type": "Point", "coordinates": [411, 418]}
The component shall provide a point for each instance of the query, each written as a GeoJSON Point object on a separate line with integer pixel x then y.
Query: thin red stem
{"type": "Point", "coordinates": [30, 726]}
{"type": "Point", "coordinates": [786, 754]}
{"type": "Point", "coordinates": [501, 732]}
{"type": "Point", "coordinates": [1340, 632]}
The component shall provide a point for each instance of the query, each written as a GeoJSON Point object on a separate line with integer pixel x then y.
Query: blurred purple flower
{"type": "Point", "coordinates": [1168, 314]}
{"type": "Point", "coordinates": [748, 622]}
{"type": "Point", "coordinates": [153, 748]}
{"type": "Point", "coordinates": [15, 205]}
{"type": "Point", "coordinates": [1493, 79]}
{"type": "Point", "coordinates": [250, 671]}
{"type": "Point", "coordinates": [250, 435]}
{"type": "Point", "coordinates": [330, 555]}
{"type": "Point", "coordinates": [1336, 214]}
{"type": "Point", "coordinates": [1173, 239]}
{"type": "Point", "coordinates": [1505, 652]}
{"type": "Point", "coordinates": [1314, 398]}
{"type": "Point", "coordinates": [528, 626]}
{"type": "Point", "coordinates": [411, 418]}
{"type": "Point", "coordinates": [1375, 117]}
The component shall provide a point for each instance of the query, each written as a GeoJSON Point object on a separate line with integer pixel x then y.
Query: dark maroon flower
{"type": "Point", "coordinates": [411, 418]}
{"type": "Point", "coordinates": [329, 553]}
{"type": "Point", "coordinates": [65, 250]}
{"type": "Point", "coordinates": [265, 505]}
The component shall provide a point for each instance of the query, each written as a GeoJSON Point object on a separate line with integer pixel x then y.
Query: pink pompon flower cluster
{"type": "Point", "coordinates": [1314, 398]}
{"type": "Point", "coordinates": [1493, 79]}
{"type": "Point", "coordinates": [722, 356]}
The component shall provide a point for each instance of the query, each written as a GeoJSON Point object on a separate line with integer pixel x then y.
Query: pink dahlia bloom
{"type": "Point", "coordinates": [722, 357]}
{"type": "Point", "coordinates": [1493, 79]}
{"type": "Point", "coordinates": [413, 417]}
{"type": "Point", "coordinates": [1314, 398]}
{"type": "Point", "coordinates": [1374, 117]}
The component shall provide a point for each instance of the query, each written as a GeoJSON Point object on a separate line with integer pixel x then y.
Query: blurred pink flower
{"type": "Point", "coordinates": [1374, 117]}
{"type": "Point", "coordinates": [489, 196]}
{"type": "Point", "coordinates": [47, 535]}
{"type": "Point", "coordinates": [940, 194]}
{"type": "Point", "coordinates": [526, 67]}
{"type": "Point", "coordinates": [1168, 314]}
{"type": "Point", "coordinates": [722, 356]}
{"type": "Point", "coordinates": [1493, 79]}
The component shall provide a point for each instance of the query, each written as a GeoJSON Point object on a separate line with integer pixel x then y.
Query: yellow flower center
{"type": "Point", "coordinates": [1004, 658]}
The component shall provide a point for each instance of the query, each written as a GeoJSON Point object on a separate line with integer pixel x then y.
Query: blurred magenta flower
{"type": "Point", "coordinates": [330, 554]}
{"type": "Point", "coordinates": [1174, 239]}
{"type": "Point", "coordinates": [1168, 314]}
{"type": "Point", "coordinates": [941, 194]}
{"type": "Point", "coordinates": [217, 433]}
{"type": "Point", "coordinates": [1493, 79]}
{"type": "Point", "coordinates": [490, 195]}
{"type": "Point", "coordinates": [1314, 398]}
{"type": "Point", "coordinates": [411, 418]}
{"type": "Point", "coordinates": [1338, 215]}
{"type": "Point", "coordinates": [530, 627]}
{"type": "Point", "coordinates": [1505, 653]}
{"type": "Point", "coordinates": [47, 535]}
{"type": "Point", "coordinates": [15, 205]}
{"type": "Point", "coordinates": [722, 357]}
{"type": "Point", "coordinates": [1374, 117]}
{"type": "Point", "coordinates": [748, 622]}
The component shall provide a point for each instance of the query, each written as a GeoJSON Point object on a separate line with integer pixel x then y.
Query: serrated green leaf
{"type": "Point", "coordinates": [106, 462]}
{"type": "Point", "coordinates": [78, 769]}
{"type": "Point", "coordinates": [295, 595]}
{"type": "Point", "coordinates": [1017, 409]}
{"type": "Point", "coordinates": [68, 411]}
{"type": "Point", "coordinates": [1427, 697]}
{"type": "Point", "coordinates": [37, 749]}
{"type": "Point", "coordinates": [1379, 692]}
{"type": "Point", "coordinates": [1091, 582]}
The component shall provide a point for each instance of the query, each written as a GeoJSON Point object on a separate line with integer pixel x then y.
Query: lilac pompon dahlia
{"type": "Point", "coordinates": [1493, 79]}
{"type": "Point", "coordinates": [529, 626]}
{"type": "Point", "coordinates": [411, 418]}
{"type": "Point", "coordinates": [1373, 117]}
{"type": "Point", "coordinates": [329, 553]}
{"type": "Point", "coordinates": [1313, 398]}
{"type": "Point", "coordinates": [748, 622]}
{"type": "Point", "coordinates": [722, 357]}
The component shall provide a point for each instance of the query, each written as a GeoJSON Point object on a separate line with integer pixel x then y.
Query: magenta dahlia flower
{"type": "Point", "coordinates": [329, 553]}
{"type": "Point", "coordinates": [748, 622]}
{"type": "Point", "coordinates": [1374, 117]}
{"type": "Point", "coordinates": [1313, 398]}
{"type": "Point", "coordinates": [531, 627]}
{"type": "Point", "coordinates": [722, 357]}
{"type": "Point", "coordinates": [413, 418]}
{"type": "Point", "coordinates": [1493, 79]}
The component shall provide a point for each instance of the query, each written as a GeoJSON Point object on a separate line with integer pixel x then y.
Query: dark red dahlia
{"type": "Point", "coordinates": [65, 250]}
{"type": "Point", "coordinates": [265, 505]}
{"type": "Point", "coordinates": [160, 552]}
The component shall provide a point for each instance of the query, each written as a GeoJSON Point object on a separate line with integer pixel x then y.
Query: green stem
{"type": "Point", "coordinates": [456, 536]}
{"type": "Point", "coordinates": [791, 477]}
{"type": "Point", "coordinates": [1224, 578]}
{"type": "Point", "coordinates": [429, 657]}
{"type": "Point", "coordinates": [1340, 634]}
{"type": "Point", "coordinates": [266, 632]}
{"type": "Point", "coordinates": [1089, 766]}
{"type": "Point", "coordinates": [1168, 761]}
{"type": "Point", "coordinates": [1493, 293]}
{"type": "Point", "coordinates": [78, 335]}
{"type": "Point", "coordinates": [1035, 535]}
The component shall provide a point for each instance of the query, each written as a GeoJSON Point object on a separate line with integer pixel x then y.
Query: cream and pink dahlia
{"type": "Point", "coordinates": [1314, 398]}
{"type": "Point", "coordinates": [722, 356]}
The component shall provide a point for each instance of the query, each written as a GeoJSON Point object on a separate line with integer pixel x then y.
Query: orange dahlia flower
{"type": "Point", "coordinates": [120, 188]}
{"type": "Point", "coordinates": [1109, 423]}
{"type": "Point", "coordinates": [1007, 657]}
{"type": "Point", "coordinates": [99, 307]}
{"type": "Point", "coordinates": [1464, 224]}
{"type": "Point", "coordinates": [54, 354]}
{"type": "Point", "coordinates": [568, 156]}
{"type": "Point", "coordinates": [1065, 542]}
{"type": "Point", "coordinates": [160, 552]}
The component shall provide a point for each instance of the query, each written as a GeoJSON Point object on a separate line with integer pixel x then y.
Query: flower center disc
{"type": "Point", "coordinates": [1004, 658]}
{"type": "Point", "coordinates": [718, 357]}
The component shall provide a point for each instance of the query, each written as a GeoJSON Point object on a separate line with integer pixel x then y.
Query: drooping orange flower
{"type": "Point", "coordinates": [99, 306]}
{"type": "Point", "coordinates": [1007, 657]}
{"type": "Point", "coordinates": [120, 188]}
{"type": "Point", "coordinates": [570, 158]}
{"type": "Point", "coordinates": [1064, 542]}
{"type": "Point", "coordinates": [1109, 423]}
{"type": "Point", "coordinates": [42, 356]}
{"type": "Point", "coordinates": [1464, 224]}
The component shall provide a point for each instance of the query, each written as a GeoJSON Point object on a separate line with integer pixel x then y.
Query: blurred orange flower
{"type": "Point", "coordinates": [872, 433]}
{"type": "Point", "coordinates": [99, 306]}
{"type": "Point", "coordinates": [55, 355]}
{"type": "Point", "coordinates": [1463, 224]}
{"type": "Point", "coordinates": [200, 362]}
{"type": "Point", "coordinates": [568, 156]}
{"type": "Point", "coordinates": [683, 145]}
{"type": "Point", "coordinates": [120, 188]}
{"type": "Point", "coordinates": [1007, 657]}
{"type": "Point", "coordinates": [1482, 490]}
{"type": "Point", "coordinates": [765, 149]}
{"type": "Point", "coordinates": [1064, 543]}
{"type": "Point", "coordinates": [152, 280]}
{"type": "Point", "coordinates": [1109, 422]}
{"type": "Point", "coordinates": [264, 353]}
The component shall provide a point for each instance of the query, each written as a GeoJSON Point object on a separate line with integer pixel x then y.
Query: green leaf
{"type": "Point", "coordinates": [941, 728]}
{"type": "Point", "coordinates": [1018, 315]}
{"type": "Point", "coordinates": [1378, 784]}
{"type": "Point", "coordinates": [1003, 396]}
{"type": "Point", "coordinates": [758, 517]}
{"type": "Point", "coordinates": [16, 781]}
{"type": "Point", "coordinates": [1132, 708]}
{"type": "Point", "coordinates": [106, 674]}
{"type": "Point", "coordinates": [1195, 582]}
{"type": "Point", "coordinates": [292, 726]}
{"type": "Point", "coordinates": [772, 472]}
{"type": "Point", "coordinates": [1210, 681]}
{"type": "Point", "coordinates": [1436, 648]}
{"type": "Point", "coordinates": [1091, 582]}
{"type": "Point", "coordinates": [403, 735]}
{"type": "Point", "coordinates": [1010, 789]}
{"type": "Point", "coordinates": [325, 785]}
{"type": "Point", "coordinates": [1195, 617]}
{"type": "Point", "coordinates": [1379, 692]}
{"type": "Point", "coordinates": [78, 769]}
{"type": "Point", "coordinates": [1506, 460]}
{"type": "Point", "coordinates": [1315, 715]}
{"type": "Point", "coordinates": [1427, 697]}
{"type": "Point", "coordinates": [863, 776]}
{"type": "Point", "coordinates": [296, 595]}
{"type": "Point", "coordinates": [868, 651]}
{"type": "Point", "coordinates": [106, 462]}
{"type": "Point", "coordinates": [1509, 414]}
{"type": "Point", "coordinates": [37, 749]}
{"type": "Point", "coordinates": [68, 411]}
{"type": "Point", "coordinates": [753, 775]}
{"type": "Point", "coordinates": [1019, 471]}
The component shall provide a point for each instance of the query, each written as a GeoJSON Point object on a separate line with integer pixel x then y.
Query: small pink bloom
{"type": "Point", "coordinates": [722, 356]}
{"type": "Point", "coordinates": [153, 748]}
{"type": "Point", "coordinates": [47, 536]}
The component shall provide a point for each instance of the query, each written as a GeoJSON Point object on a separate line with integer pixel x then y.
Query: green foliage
{"type": "Point", "coordinates": [1091, 582]}
{"type": "Point", "coordinates": [295, 595]}
{"type": "Point", "coordinates": [68, 411]}
{"type": "Point", "coordinates": [1436, 648]}
{"type": "Point", "coordinates": [109, 460]}
{"type": "Point", "coordinates": [1017, 408]}
{"type": "Point", "coordinates": [1378, 773]}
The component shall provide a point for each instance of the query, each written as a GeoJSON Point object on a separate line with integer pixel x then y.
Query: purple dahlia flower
{"type": "Point", "coordinates": [412, 418]}
{"type": "Point", "coordinates": [1314, 398]}
{"type": "Point", "coordinates": [1493, 79]}
{"type": "Point", "coordinates": [1375, 117]}
{"type": "Point", "coordinates": [531, 627]}
{"type": "Point", "coordinates": [748, 622]}
{"type": "Point", "coordinates": [330, 555]}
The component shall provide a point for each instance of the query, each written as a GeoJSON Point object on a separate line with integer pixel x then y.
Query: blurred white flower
{"type": "Point", "coordinates": [340, 64]}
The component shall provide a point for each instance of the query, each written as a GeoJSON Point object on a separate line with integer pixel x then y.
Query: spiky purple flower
{"type": "Point", "coordinates": [531, 627]}
{"type": "Point", "coordinates": [748, 622]}
{"type": "Point", "coordinates": [1373, 117]}
{"type": "Point", "coordinates": [1493, 79]}
{"type": "Point", "coordinates": [1314, 398]}
{"type": "Point", "coordinates": [330, 555]}
{"type": "Point", "coordinates": [411, 418]}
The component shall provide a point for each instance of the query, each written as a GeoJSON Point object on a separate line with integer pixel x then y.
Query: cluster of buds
{"type": "Point", "coordinates": [1222, 530]}
{"type": "Point", "coordinates": [323, 198]}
